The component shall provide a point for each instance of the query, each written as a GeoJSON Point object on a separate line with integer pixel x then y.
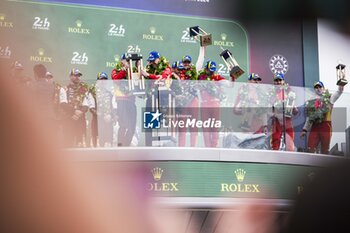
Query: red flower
{"type": "Point", "coordinates": [83, 90]}
{"type": "Point", "coordinates": [318, 104]}
{"type": "Point", "coordinates": [202, 77]}
{"type": "Point", "coordinates": [217, 77]}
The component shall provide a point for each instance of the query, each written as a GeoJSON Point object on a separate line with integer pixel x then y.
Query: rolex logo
{"type": "Point", "coordinates": [240, 173]}
{"type": "Point", "coordinates": [41, 57]}
{"type": "Point", "coordinates": [240, 187]}
{"type": "Point", "coordinates": [78, 29]}
{"type": "Point", "coordinates": [41, 52]}
{"type": "Point", "coordinates": [3, 23]}
{"type": "Point", "coordinates": [152, 30]}
{"type": "Point", "coordinates": [114, 63]}
{"type": "Point", "coordinates": [157, 173]}
{"type": "Point", "coordinates": [153, 35]}
{"type": "Point", "coordinates": [157, 186]}
{"type": "Point", "coordinates": [223, 42]}
{"type": "Point", "coordinates": [79, 23]}
{"type": "Point", "coordinates": [223, 36]}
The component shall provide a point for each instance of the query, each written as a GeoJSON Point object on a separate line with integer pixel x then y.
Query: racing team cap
{"type": "Point", "coordinates": [153, 56]}
{"type": "Point", "coordinates": [211, 65]}
{"type": "Point", "coordinates": [187, 58]}
{"type": "Point", "coordinates": [123, 57]}
{"type": "Point", "coordinates": [254, 76]}
{"type": "Point", "coordinates": [102, 75]}
{"type": "Point", "coordinates": [75, 72]}
{"type": "Point", "coordinates": [175, 64]}
{"type": "Point", "coordinates": [319, 83]}
{"type": "Point", "coordinates": [180, 66]}
{"type": "Point", "coordinates": [18, 65]}
{"type": "Point", "coordinates": [278, 76]}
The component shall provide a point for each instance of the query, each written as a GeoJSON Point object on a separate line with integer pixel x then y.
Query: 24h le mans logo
{"type": "Point", "coordinates": [278, 64]}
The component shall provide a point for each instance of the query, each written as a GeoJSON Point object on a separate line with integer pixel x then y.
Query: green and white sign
{"type": "Point", "coordinates": [217, 179]}
{"type": "Point", "coordinates": [93, 38]}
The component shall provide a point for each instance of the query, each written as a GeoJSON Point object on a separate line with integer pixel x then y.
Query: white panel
{"type": "Point", "coordinates": [334, 46]}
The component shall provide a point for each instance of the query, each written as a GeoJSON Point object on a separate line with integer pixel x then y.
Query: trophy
{"type": "Point", "coordinates": [290, 104]}
{"type": "Point", "coordinates": [135, 79]}
{"type": "Point", "coordinates": [231, 63]}
{"type": "Point", "coordinates": [340, 68]}
{"type": "Point", "coordinates": [204, 38]}
{"type": "Point", "coordinates": [164, 84]}
{"type": "Point", "coordinates": [163, 100]}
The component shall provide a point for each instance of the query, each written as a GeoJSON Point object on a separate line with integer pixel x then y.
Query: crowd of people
{"type": "Point", "coordinates": [41, 187]}
{"type": "Point", "coordinates": [67, 106]}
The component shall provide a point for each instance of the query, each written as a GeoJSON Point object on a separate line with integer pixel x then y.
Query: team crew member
{"type": "Point", "coordinates": [126, 107]}
{"type": "Point", "coordinates": [102, 110]}
{"type": "Point", "coordinates": [211, 95]}
{"type": "Point", "coordinates": [248, 104]}
{"type": "Point", "coordinates": [320, 125]}
{"type": "Point", "coordinates": [74, 102]}
{"type": "Point", "coordinates": [282, 124]}
{"type": "Point", "coordinates": [157, 69]}
{"type": "Point", "coordinates": [188, 102]}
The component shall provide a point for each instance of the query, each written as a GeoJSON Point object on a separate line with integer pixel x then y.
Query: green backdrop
{"type": "Point", "coordinates": [216, 178]}
{"type": "Point", "coordinates": [93, 38]}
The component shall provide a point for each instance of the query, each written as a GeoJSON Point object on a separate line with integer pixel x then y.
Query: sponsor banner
{"type": "Point", "coordinates": [186, 38]}
{"type": "Point", "coordinates": [4, 22]}
{"type": "Point", "coordinates": [79, 58]}
{"type": "Point", "coordinates": [224, 41]}
{"type": "Point", "coordinates": [41, 57]}
{"type": "Point", "coordinates": [116, 30]}
{"type": "Point", "coordinates": [41, 23]}
{"type": "Point", "coordinates": [92, 37]}
{"type": "Point", "coordinates": [226, 179]}
{"type": "Point", "coordinates": [153, 35]}
{"type": "Point", "coordinates": [78, 28]}
{"type": "Point", "coordinates": [5, 52]}
{"type": "Point", "coordinates": [113, 62]}
{"type": "Point", "coordinates": [159, 185]}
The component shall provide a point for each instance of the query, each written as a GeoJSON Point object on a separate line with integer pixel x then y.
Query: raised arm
{"type": "Point", "coordinates": [200, 60]}
{"type": "Point", "coordinates": [335, 96]}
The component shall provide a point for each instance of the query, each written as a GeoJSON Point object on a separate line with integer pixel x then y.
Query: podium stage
{"type": "Point", "coordinates": [211, 178]}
